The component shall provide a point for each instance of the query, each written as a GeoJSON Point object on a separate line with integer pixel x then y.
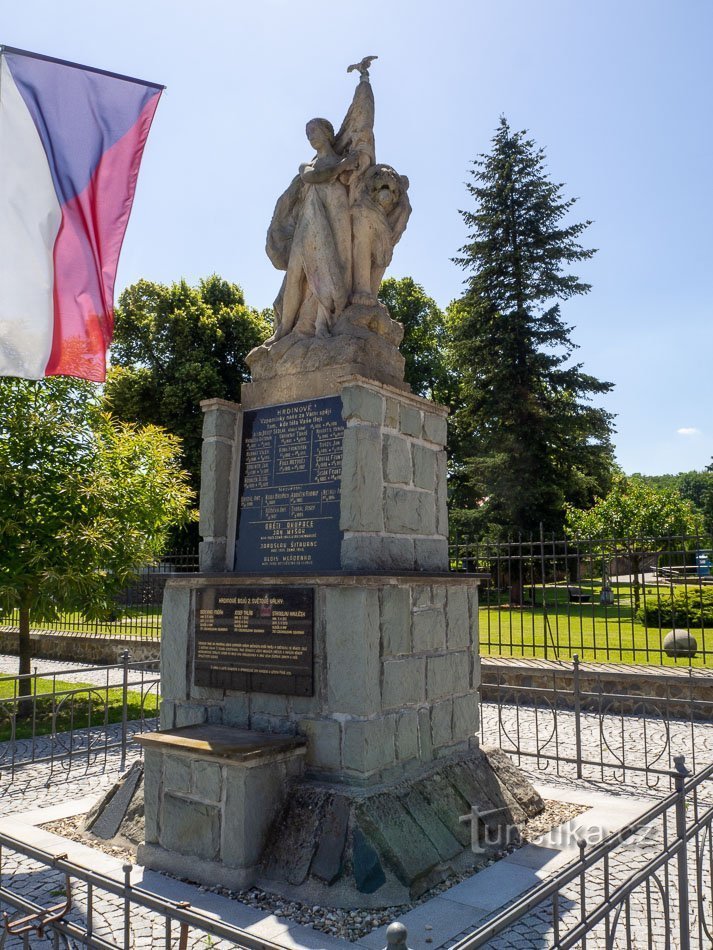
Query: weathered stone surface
{"type": "Point", "coordinates": [368, 744]}
{"type": "Point", "coordinates": [368, 873]}
{"type": "Point", "coordinates": [269, 704]}
{"type": "Point", "coordinates": [360, 402]}
{"type": "Point", "coordinates": [207, 780]}
{"type": "Point", "coordinates": [410, 420]}
{"type": "Point", "coordinates": [429, 629]}
{"type": "Point", "coordinates": [153, 768]}
{"type": "Point", "coordinates": [442, 723]}
{"type": "Point", "coordinates": [105, 819]}
{"type": "Point", "coordinates": [399, 839]}
{"type": "Point", "coordinates": [292, 842]}
{"type": "Point", "coordinates": [177, 773]}
{"type": "Point", "coordinates": [442, 494]}
{"type": "Point", "coordinates": [435, 428]}
{"type": "Point", "coordinates": [219, 420]}
{"type": "Point", "coordinates": [327, 862]}
{"type": "Point", "coordinates": [447, 803]}
{"type": "Point", "coordinates": [216, 466]}
{"type": "Point", "coordinates": [372, 552]}
{"type": "Point", "coordinates": [253, 799]}
{"type": "Point", "coordinates": [190, 827]}
{"type": "Point", "coordinates": [398, 466]}
{"type": "Point", "coordinates": [425, 739]}
{"type": "Point", "coordinates": [167, 715]}
{"type": "Point", "coordinates": [408, 511]}
{"type": "Point", "coordinates": [465, 716]}
{"type": "Point", "coordinates": [176, 624]}
{"type": "Point", "coordinates": [404, 682]}
{"type": "Point", "coordinates": [212, 555]}
{"type": "Point", "coordinates": [430, 554]}
{"type": "Point", "coordinates": [396, 620]}
{"type": "Point", "coordinates": [391, 413]}
{"type": "Point", "coordinates": [190, 715]}
{"type": "Point", "coordinates": [476, 781]}
{"type": "Point", "coordinates": [407, 735]}
{"type": "Point", "coordinates": [323, 743]}
{"type": "Point", "coordinates": [458, 634]}
{"type": "Point", "coordinates": [362, 480]}
{"type": "Point", "coordinates": [236, 710]}
{"type": "Point", "coordinates": [423, 814]}
{"type": "Point", "coordinates": [352, 646]}
{"type": "Point", "coordinates": [447, 675]}
{"type": "Point", "coordinates": [515, 781]}
{"type": "Point", "coordinates": [424, 467]}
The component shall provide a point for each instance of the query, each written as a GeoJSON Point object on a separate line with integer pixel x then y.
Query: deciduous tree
{"type": "Point", "coordinates": [176, 345]}
{"type": "Point", "coordinates": [84, 501]}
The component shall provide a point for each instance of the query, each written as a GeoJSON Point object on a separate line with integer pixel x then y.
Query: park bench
{"type": "Point", "coordinates": [578, 596]}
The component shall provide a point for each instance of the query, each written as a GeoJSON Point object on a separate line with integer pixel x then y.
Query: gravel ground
{"type": "Point", "coordinates": [345, 924]}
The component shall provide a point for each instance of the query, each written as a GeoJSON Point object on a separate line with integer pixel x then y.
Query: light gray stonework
{"type": "Point", "coordinates": [389, 651]}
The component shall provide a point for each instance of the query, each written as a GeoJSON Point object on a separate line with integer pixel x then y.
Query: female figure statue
{"type": "Point", "coordinates": [334, 229]}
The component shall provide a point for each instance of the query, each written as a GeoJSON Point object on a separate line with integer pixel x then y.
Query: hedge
{"type": "Point", "coordinates": [679, 607]}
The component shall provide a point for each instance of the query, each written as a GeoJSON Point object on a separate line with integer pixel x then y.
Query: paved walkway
{"type": "Point", "coordinates": [438, 922]}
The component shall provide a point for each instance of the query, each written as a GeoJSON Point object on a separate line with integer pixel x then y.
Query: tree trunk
{"type": "Point", "coordinates": [636, 570]}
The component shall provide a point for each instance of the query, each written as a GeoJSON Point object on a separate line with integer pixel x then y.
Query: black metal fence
{"type": "Point", "coordinates": [648, 885]}
{"type": "Point", "coordinates": [569, 722]}
{"type": "Point", "coordinates": [137, 612]}
{"type": "Point", "coordinates": [610, 600]}
{"type": "Point", "coordinates": [75, 717]}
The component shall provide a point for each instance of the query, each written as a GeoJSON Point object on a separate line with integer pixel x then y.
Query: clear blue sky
{"type": "Point", "coordinates": [618, 93]}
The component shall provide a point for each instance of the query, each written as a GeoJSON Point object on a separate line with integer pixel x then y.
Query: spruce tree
{"type": "Point", "coordinates": [527, 432]}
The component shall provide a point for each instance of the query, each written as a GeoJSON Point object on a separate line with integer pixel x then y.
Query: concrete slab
{"type": "Point", "coordinates": [445, 918]}
{"type": "Point", "coordinates": [492, 887]}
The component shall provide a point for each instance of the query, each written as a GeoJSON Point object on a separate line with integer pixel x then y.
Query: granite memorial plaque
{"type": "Point", "coordinates": [288, 510]}
{"type": "Point", "coordinates": [255, 639]}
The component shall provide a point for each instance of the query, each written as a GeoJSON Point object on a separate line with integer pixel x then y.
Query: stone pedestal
{"type": "Point", "coordinates": [214, 794]}
{"type": "Point", "coordinates": [396, 672]}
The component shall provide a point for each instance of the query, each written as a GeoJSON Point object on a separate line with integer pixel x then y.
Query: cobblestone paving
{"type": "Point", "coordinates": [624, 741]}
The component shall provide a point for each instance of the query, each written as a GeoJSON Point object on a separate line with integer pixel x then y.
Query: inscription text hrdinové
{"type": "Point", "coordinates": [291, 464]}
{"type": "Point", "coordinates": [256, 639]}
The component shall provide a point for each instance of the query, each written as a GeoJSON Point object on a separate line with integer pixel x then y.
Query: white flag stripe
{"type": "Point", "coordinates": [30, 217]}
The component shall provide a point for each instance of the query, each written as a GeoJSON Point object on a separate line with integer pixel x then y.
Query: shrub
{"type": "Point", "coordinates": [679, 607]}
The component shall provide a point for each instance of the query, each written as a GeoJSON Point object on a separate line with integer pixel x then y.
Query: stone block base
{"type": "Point", "coordinates": [211, 796]}
{"type": "Point", "coordinates": [341, 847]}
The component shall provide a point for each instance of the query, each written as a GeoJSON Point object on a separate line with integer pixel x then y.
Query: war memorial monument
{"type": "Point", "coordinates": [319, 675]}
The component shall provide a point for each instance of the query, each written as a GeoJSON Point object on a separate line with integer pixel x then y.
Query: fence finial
{"type": "Point", "coordinates": [679, 763]}
{"type": "Point", "coordinates": [396, 935]}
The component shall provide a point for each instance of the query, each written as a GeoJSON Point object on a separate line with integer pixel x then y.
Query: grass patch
{"type": "Point", "coordinates": [74, 706]}
{"type": "Point", "coordinates": [143, 622]}
{"type": "Point", "coordinates": [551, 627]}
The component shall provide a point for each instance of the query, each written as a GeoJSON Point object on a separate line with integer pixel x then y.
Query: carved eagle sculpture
{"type": "Point", "coordinates": [363, 66]}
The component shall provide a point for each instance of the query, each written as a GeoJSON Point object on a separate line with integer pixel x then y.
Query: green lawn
{"type": "Point", "coordinates": [590, 630]}
{"type": "Point", "coordinates": [143, 622]}
{"type": "Point", "coordinates": [75, 707]}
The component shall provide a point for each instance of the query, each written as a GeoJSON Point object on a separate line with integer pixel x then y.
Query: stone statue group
{"type": "Point", "coordinates": [334, 229]}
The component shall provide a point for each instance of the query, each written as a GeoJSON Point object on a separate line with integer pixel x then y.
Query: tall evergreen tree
{"type": "Point", "coordinates": [530, 436]}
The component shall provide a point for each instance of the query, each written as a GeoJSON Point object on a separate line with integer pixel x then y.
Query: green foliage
{"type": "Point", "coordinates": [637, 513]}
{"type": "Point", "coordinates": [84, 501]}
{"type": "Point", "coordinates": [423, 344]}
{"type": "Point", "coordinates": [529, 437]}
{"type": "Point", "coordinates": [175, 346]}
{"type": "Point", "coordinates": [684, 607]}
{"type": "Point", "coordinates": [696, 487]}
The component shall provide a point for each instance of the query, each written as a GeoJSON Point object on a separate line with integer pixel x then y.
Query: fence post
{"type": "Point", "coordinates": [679, 762]}
{"type": "Point", "coordinates": [577, 714]}
{"type": "Point", "coordinates": [124, 704]}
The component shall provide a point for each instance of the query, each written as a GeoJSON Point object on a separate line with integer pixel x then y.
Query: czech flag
{"type": "Point", "coordinates": [71, 141]}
